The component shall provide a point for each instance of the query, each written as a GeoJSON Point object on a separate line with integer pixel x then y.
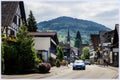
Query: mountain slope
{"type": "Point", "coordinates": [61, 25]}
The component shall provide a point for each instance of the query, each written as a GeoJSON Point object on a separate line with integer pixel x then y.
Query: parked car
{"type": "Point", "coordinates": [87, 61]}
{"type": "Point", "coordinates": [79, 64]}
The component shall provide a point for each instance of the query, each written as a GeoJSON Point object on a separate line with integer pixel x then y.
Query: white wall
{"type": "Point", "coordinates": [42, 43]}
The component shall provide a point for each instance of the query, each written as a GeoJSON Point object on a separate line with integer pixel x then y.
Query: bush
{"type": "Point", "coordinates": [2, 51]}
{"type": "Point", "coordinates": [57, 63]}
{"type": "Point", "coordinates": [44, 67]}
{"type": "Point", "coordinates": [63, 62]}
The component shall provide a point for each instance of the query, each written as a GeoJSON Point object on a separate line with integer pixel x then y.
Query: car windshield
{"type": "Point", "coordinates": [78, 61]}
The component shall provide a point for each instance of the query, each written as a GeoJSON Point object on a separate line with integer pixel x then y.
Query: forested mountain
{"type": "Point", "coordinates": [62, 24]}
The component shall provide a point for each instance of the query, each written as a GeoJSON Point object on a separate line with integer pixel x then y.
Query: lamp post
{"type": "Point", "coordinates": [115, 63]}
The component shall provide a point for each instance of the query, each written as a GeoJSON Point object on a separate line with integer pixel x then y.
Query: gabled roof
{"type": "Point", "coordinates": [53, 35]}
{"type": "Point", "coordinates": [43, 34]}
{"type": "Point", "coordinates": [116, 36]}
{"type": "Point", "coordinates": [65, 46]}
{"type": "Point", "coordinates": [94, 36]}
{"type": "Point", "coordinates": [8, 9]}
{"type": "Point", "coordinates": [117, 28]}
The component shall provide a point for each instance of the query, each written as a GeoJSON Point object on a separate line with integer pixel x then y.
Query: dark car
{"type": "Point", "coordinates": [79, 64]}
{"type": "Point", "coordinates": [87, 61]}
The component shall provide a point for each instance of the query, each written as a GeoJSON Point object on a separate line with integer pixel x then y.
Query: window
{"type": "Point", "coordinates": [11, 32]}
{"type": "Point", "coordinates": [19, 21]}
{"type": "Point", "coordinates": [15, 19]}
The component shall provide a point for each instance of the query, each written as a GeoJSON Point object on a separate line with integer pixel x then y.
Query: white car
{"type": "Point", "coordinates": [79, 64]}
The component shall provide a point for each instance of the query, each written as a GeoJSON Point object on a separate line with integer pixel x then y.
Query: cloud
{"type": "Point", "coordinates": [108, 18]}
{"type": "Point", "coordinates": [97, 11]}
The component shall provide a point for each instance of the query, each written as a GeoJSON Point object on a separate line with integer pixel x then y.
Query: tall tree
{"type": "Point", "coordinates": [78, 40]}
{"type": "Point", "coordinates": [27, 57]}
{"type": "Point", "coordinates": [32, 26]}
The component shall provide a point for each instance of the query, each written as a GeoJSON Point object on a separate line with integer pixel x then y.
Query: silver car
{"type": "Point", "coordinates": [79, 64]}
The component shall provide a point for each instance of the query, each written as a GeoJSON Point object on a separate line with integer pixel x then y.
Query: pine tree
{"type": "Point", "coordinates": [32, 26]}
{"type": "Point", "coordinates": [78, 40]}
{"type": "Point", "coordinates": [26, 56]}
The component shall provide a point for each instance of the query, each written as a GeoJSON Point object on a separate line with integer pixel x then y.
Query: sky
{"type": "Point", "coordinates": [105, 12]}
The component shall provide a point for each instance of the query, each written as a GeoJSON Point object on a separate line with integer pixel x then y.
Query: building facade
{"type": "Point", "coordinates": [13, 13]}
{"type": "Point", "coordinates": [115, 47]}
{"type": "Point", "coordinates": [95, 40]}
{"type": "Point", "coordinates": [95, 53]}
{"type": "Point", "coordinates": [45, 44]}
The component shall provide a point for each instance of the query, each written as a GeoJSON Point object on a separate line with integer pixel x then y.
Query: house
{"type": "Point", "coordinates": [108, 36]}
{"type": "Point", "coordinates": [45, 44]}
{"type": "Point", "coordinates": [106, 40]}
{"type": "Point", "coordinates": [94, 46]}
{"type": "Point", "coordinates": [74, 54]}
{"type": "Point", "coordinates": [95, 40]}
{"type": "Point", "coordinates": [114, 56]}
{"type": "Point", "coordinates": [13, 13]}
{"type": "Point", "coordinates": [66, 49]}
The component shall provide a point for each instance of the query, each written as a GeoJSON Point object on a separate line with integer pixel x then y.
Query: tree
{"type": "Point", "coordinates": [60, 53]}
{"type": "Point", "coordinates": [10, 59]}
{"type": "Point", "coordinates": [2, 51]}
{"type": "Point", "coordinates": [32, 26]}
{"type": "Point", "coordinates": [85, 53]}
{"type": "Point", "coordinates": [27, 55]}
{"type": "Point", "coordinates": [78, 40]}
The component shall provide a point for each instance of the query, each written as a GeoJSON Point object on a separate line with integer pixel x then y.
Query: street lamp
{"type": "Point", "coordinates": [115, 54]}
{"type": "Point", "coordinates": [115, 59]}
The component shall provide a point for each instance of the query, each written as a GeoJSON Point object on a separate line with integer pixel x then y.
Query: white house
{"type": "Point", "coordinates": [45, 44]}
{"type": "Point", "coordinates": [13, 14]}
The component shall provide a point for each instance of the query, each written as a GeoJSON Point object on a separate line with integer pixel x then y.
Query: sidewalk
{"type": "Point", "coordinates": [110, 67]}
{"type": "Point", "coordinates": [54, 71]}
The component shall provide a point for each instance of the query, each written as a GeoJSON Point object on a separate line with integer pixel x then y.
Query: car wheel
{"type": "Point", "coordinates": [73, 68]}
{"type": "Point", "coordinates": [84, 68]}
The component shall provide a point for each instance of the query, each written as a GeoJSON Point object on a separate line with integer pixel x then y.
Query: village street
{"type": "Point", "coordinates": [64, 72]}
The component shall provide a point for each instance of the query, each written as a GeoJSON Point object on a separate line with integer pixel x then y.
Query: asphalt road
{"type": "Point", "coordinates": [91, 72]}
{"type": "Point", "coordinates": [64, 72]}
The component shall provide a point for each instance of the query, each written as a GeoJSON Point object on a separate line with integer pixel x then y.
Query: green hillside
{"type": "Point", "coordinates": [61, 25]}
